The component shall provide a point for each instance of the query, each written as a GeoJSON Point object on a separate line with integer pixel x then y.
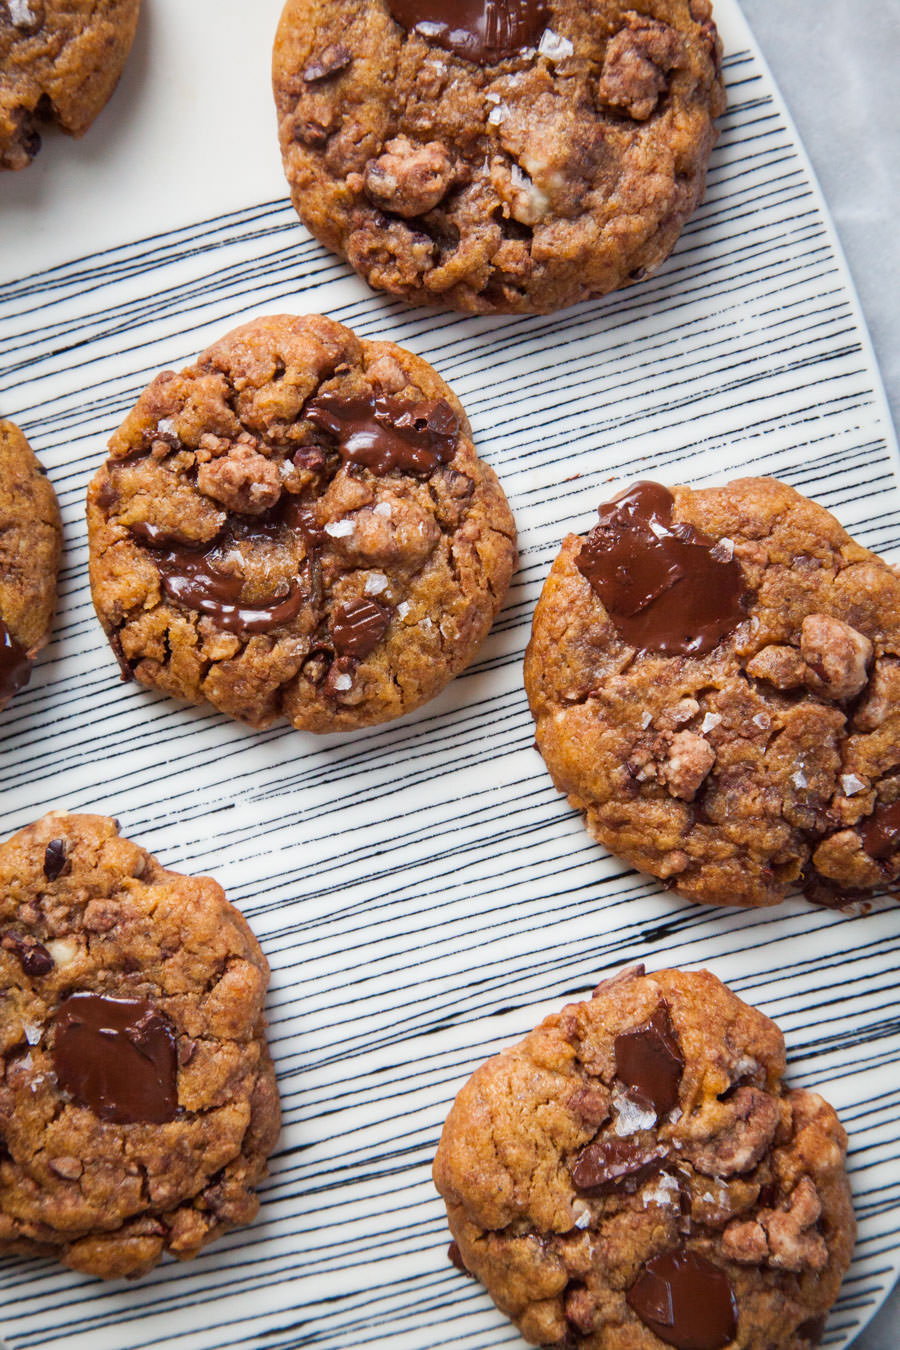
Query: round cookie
{"type": "Point", "coordinates": [716, 685]}
{"type": "Point", "coordinates": [634, 1174]}
{"type": "Point", "coordinates": [60, 61]}
{"type": "Point", "coordinates": [138, 1102]}
{"type": "Point", "coordinates": [30, 547]}
{"type": "Point", "coordinates": [298, 526]}
{"type": "Point", "coordinates": [497, 156]}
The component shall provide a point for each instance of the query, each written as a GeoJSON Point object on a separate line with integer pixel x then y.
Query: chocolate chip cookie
{"type": "Point", "coordinates": [30, 547]}
{"type": "Point", "coordinates": [138, 1102]}
{"type": "Point", "coordinates": [635, 1174]}
{"type": "Point", "coordinates": [60, 61]}
{"type": "Point", "coordinates": [298, 526]}
{"type": "Point", "coordinates": [497, 156]}
{"type": "Point", "coordinates": [715, 678]}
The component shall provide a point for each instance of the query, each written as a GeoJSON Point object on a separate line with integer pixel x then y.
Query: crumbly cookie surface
{"type": "Point", "coordinates": [352, 548]}
{"type": "Point", "coordinates": [30, 547]}
{"type": "Point", "coordinates": [763, 763]}
{"type": "Point", "coordinates": [60, 61]}
{"type": "Point", "coordinates": [147, 1135]}
{"type": "Point", "coordinates": [634, 1173]}
{"type": "Point", "coordinates": [553, 174]}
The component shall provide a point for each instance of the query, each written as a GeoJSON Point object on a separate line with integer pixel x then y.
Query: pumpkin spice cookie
{"type": "Point", "coordinates": [497, 156]}
{"type": "Point", "coordinates": [634, 1174]}
{"type": "Point", "coordinates": [138, 1102]}
{"type": "Point", "coordinates": [715, 678]}
{"type": "Point", "coordinates": [298, 526]}
{"type": "Point", "coordinates": [30, 547]}
{"type": "Point", "coordinates": [60, 61]}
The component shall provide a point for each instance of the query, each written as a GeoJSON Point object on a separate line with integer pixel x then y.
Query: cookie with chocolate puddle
{"type": "Point", "coordinates": [132, 1050]}
{"type": "Point", "coordinates": [724, 705]}
{"type": "Point", "coordinates": [298, 526]}
{"type": "Point", "coordinates": [636, 1172]}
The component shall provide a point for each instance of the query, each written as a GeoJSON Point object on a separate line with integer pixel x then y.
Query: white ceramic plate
{"type": "Point", "coordinates": [423, 894]}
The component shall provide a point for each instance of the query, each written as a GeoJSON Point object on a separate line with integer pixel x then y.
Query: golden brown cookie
{"type": "Point", "coordinates": [635, 1174]}
{"type": "Point", "coordinates": [138, 1102]}
{"type": "Point", "coordinates": [60, 61]}
{"type": "Point", "coordinates": [298, 526]}
{"type": "Point", "coordinates": [497, 156]}
{"type": "Point", "coordinates": [715, 678]}
{"type": "Point", "coordinates": [30, 547]}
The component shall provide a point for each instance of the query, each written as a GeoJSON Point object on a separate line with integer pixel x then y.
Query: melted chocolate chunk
{"type": "Point", "coordinates": [812, 1330]}
{"type": "Point", "coordinates": [56, 859]}
{"type": "Point", "coordinates": [32, 956]}
{"type": "Point", "coordinates": [662, 583]}
{"type": "Point", "coordinates": [482, 31]}
{"type": "Point", "coordinates": [15, 667]}
{"type": "Point", "coordinates": [686, 1301]}
{"type": "Point", "coordinates": [190, 577]}
{"type": "Point", "coordinates": [358, 627]}
{"type": "Point", "coordinates": [118, 1057]}
{"type": "Point", "coordinates": [610, 1164]}
{"type": "Point", "coordinates": [388, 434]}
{"type": "Point", "coordinates": [649, 1061]}
{"type": "Point", "coordinates": [880, 832]}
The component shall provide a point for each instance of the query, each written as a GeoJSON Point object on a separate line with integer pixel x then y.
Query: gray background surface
{"type": "Point", "coordinates": [837, 63]}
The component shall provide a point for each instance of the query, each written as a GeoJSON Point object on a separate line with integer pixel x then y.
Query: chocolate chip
{"type": "Point", "coordinates": [478, 30]}
{"type": "Point", "coordinates": [609, 1164]}
{"type": "Point", "coordinates": [56, 859]}
{"type": "Point", "coordinates": [663, 585]}
{"type": "Point", "coordinates": [454, 1256]}
{"type": "Point", "coordinates": [880, 832]}
{"type": "Point", "coordinates": [329, 62]}
{"type": "Point", "coordinates": [358, 627]}
{"type": "Point", "coordinates": [32, 956]}
{"type": "Point", "coordinates": [649, 1061]}
{"type": "Point", "coordinates": [812, 1330]}
{"type": "Point", "coordinates": [686, 1301]}
{"type": "Point", "coordinates": [118, 1057]}
{"type": "Point", "coordinates": [385, 434]}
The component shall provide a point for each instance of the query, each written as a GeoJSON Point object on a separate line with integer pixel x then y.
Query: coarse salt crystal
{"type": "Point", "coordinates": [631, 1116]}
{"type": "Point", "coordinates": [165, 426]}
{"type": "Point", "coordinates": [498, 115]}
{"type": "Point", "coordinates": [762, 721]}
{"type": "Point", "coordinates": [382, 509]}
{"type": "Point", "coordinates": [582, 1214]}
{"type": "Point", "coordinates": [662, 1193]}
{"type": "Point", "coordinates": [339, 529]}
{"type": "Point", "coordinates": [646, 719]}
{"type": "Point", "coordinates": [21, 13]}
{"type": "Point", "coordinates": [32, 1034]}
{"type": "Point", "coordinates": [851, 784]}
{"type": "Point", "coordinates": [63, 951]}
{"type": "Point", "coordinates": [554, 46]}
{"type": "Point", "coordinates": [403, 609]}
{"type": "Point", "coordinates": [426, 624]}
{"type": "Point", "coordinates": [376, 582]}
{"type": "Point", "coordinates": [710, 720]}
{"type": "Point", "coordinates": [342, 682]}
{"type": "Point", "coordinates": [492, 96]}
{"type": "Point", "coordinates": [799, 779]}
{"type": "Point", "coordinates": [723, 551]}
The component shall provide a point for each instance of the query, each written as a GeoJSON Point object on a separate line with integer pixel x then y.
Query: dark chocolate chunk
{"type": "Point", "coordinates": [358, 627]}
{"type": "Point", "coordinates": [649, 1061]}
{"type": "Point", "coordinates": [610, 1164]}
{"type": "Point", "coordinates": [388, 434]}
{"type": "Point", "coordinates": [666, 587]}
{"type": "Point", "coordinates": [333, 59]}
{"type": "Point", "coordinates": [812, 1330]}
{"type": "Point", "coordinates": [686, 1301]}
{"type": "Point", "coordinates": [56, 859]}
{"type": "Point", "coordinates": [118, 1057]}
{"type": "Point", "coordinates": [32, 956]}
{"type": "Point", "coordinates": [483, 31]}
{"type": "Point", "coordinates": [880, 832]}
{"type": "Point", "coordinates": [454, 1256]}
{"type": "Point", "coordinates": [15, 667]}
